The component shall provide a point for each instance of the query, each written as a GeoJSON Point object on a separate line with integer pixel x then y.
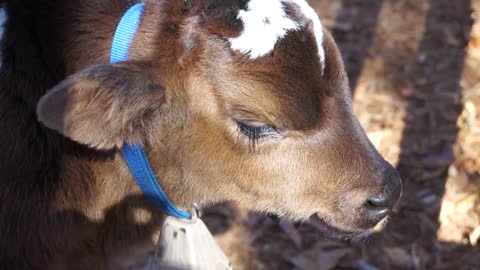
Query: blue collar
{"type": "Point", "coordinates": [134, 155]}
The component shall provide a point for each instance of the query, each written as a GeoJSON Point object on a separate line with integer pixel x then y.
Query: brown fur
{"type": "Point", "coordinates": [68, 200]}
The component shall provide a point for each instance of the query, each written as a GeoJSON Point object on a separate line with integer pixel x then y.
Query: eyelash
{"type": "Point", "coordinates": [255, 133]}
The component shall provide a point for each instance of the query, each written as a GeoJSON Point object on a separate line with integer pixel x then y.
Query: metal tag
{"type": "Point", "coordinates": [187, 244]}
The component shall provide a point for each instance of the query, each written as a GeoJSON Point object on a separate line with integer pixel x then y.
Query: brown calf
{"type": "Point", "coordinates": [243, 100]}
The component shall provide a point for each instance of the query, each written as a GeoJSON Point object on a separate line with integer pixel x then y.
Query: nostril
{"type": "Point", "coordinates": [390, 194]}
{"type": "Point", "coordinates": [379, 214]}
{"type": "Point", "coordinates": [378, 202]}
{"type": "Point", "coordinates": [377, 208]}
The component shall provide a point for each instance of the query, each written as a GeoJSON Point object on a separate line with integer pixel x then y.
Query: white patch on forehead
{"type": "Point", "coordinates": [264, 23]}
{"type": "Point", "coordinates": [3, 19]}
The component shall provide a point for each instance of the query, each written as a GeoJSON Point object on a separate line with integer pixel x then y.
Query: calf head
{"type": "Point", "coordinates": [243, 100]}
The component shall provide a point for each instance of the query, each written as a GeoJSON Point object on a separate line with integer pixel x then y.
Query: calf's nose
{"type": "Point", "coordinates": [380, 205]}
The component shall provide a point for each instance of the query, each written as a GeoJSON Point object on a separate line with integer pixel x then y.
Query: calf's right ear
{"type": "Point", "coordinates": [102, 106]}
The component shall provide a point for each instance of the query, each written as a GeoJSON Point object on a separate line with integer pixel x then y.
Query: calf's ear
{"type": "Point", "coordinates": [102, 106]}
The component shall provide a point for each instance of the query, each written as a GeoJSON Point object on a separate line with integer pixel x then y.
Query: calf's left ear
{"type": "Point", "coordinates": [103, 105]}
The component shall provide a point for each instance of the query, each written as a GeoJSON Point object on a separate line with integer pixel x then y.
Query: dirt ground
{"type": "Point", "coordinates": [414, 67]}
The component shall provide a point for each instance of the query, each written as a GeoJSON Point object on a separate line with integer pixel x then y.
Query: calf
{"type": "Point", "coordinates": [243, 100]}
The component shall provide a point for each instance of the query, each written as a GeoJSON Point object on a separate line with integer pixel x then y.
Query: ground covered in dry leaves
{"type": "Point", "coordinates": [414, 67]}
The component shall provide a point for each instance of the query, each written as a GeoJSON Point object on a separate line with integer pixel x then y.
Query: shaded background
{"type": "Point", "coordinates": [414, 68]}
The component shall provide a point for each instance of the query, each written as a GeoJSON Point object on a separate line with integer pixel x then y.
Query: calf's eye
{"type": "Point", "coordinates": [255, 131]}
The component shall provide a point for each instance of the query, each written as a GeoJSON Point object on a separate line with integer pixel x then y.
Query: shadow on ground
{"type": "Point", "coordinates": [351, 19]}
